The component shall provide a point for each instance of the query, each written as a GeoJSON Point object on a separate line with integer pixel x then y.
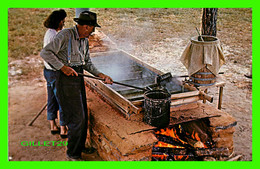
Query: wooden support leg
{"type": "Point", "coordinates": [205, 91]}
{"type": "Point", "coordinates": [220, 97]}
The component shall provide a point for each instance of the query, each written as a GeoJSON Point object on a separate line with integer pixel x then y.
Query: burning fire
{"type": "Point", "coordinates": [195, 136]}
{"type": "Point", "coordinates": [172, 133]}
{"type": "Point", "coordinates": [163, 144]}
{"type": "Point", "coordinates": [180, 158]}
{"type": "Point", "coordinates": [199, 143]}
{"type": "Point", "coordinates": [175, 157]}
{"type": "Point", "coordinates": [162, 157]}
{"type": "Point", "coordinates": [179, 137]}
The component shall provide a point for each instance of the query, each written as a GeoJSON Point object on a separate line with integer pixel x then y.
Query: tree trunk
{"type": "Point", "coordinates": [209, 21]}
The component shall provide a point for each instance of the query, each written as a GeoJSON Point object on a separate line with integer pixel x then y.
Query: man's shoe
{"type": "Point", "coordinates": [88, 150]}
{"type": "Point", "coordinates": [63, 136]}
{"type": "Point", "coordinates": [74, 158]}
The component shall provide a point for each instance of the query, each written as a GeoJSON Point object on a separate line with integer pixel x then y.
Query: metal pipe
{"type": "Point", "coordinates": [123, 84]}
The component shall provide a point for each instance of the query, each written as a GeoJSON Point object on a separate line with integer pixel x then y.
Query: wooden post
{"type": "Point", "coordinates": [220, 97]}
{"type": "Point", "coordinates": [206, 91]}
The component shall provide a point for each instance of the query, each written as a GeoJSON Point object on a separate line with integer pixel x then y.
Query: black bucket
{"type": "Point", "coordinates": [157, 108]}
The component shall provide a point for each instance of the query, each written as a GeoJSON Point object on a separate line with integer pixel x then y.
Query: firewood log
{"type": "Point", "coordinates": [216, 152]}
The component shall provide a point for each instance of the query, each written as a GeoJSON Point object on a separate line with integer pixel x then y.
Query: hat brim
{"type": "Point", "coordinates": [82, 22]}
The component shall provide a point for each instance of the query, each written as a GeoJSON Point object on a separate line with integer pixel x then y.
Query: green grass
{"type": "Point", "coordinates": [26, 30]}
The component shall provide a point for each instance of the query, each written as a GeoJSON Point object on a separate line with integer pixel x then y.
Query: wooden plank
{"type": "Point", "coordinates": [119, 100]}
{"type": "Point", "coordinates": [183, 95]}
{"type": "Point", "coordinates": [135, 97]}
{"type": "Point", "coordinates": [179, 99]}
{"type": "Point", "coordinates": [185, 100]}
{"type": "Point", "coordinates": [176, 102]}
{"type": "Point", "coordinates": [138, 99]}
{"type": "Point", "coordinates": [138, 103]}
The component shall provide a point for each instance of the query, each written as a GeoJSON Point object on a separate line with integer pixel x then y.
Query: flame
{"type": "Point", "coordinates": [180, 157]}
{"type": "Point", "coordinates": [162, 157]}
{"type": "Point", "coordinates": [176, 157]}
{"type": "Point", "coordinates": [163, 144]}
{"type": "Point", "coordinates": [195, 136]}
{"type": "Point", "coordinates": [172, 133]}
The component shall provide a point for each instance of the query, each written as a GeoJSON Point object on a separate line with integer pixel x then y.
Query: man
{"type": "Point", "coordinates": [54, 22]}
{"type": "Point", "coordinates": [68, 53]}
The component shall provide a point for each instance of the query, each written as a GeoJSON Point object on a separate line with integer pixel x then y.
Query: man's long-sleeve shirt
{"type": "Point", "coordinates": [57, 52]}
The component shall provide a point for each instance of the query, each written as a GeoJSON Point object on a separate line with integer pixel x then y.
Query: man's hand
{"type": "Point", "coordinates": [68, 71]}
{"type": "Point", "coordinates": [107, 79]}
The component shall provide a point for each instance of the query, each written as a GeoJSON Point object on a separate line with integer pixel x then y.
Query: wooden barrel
{"type": "Point", "coordinates": [203, 77]}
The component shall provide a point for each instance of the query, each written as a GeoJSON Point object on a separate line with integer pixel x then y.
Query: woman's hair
{"type": "Point", "coordinates": [54, 19]}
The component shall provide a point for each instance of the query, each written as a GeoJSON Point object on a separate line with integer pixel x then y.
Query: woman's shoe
{"type": "Point", "coordinates": [55, 131]}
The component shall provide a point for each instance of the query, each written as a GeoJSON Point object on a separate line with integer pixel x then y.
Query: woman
{"type": "Point", "coordinates": [54, 22]}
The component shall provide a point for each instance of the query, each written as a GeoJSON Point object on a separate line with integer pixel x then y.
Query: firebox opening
{"type": "Point", "coordinates": [186, 141]}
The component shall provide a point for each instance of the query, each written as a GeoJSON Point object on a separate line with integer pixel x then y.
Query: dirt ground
{"type": "Point", "coordinates": [158, 47]}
